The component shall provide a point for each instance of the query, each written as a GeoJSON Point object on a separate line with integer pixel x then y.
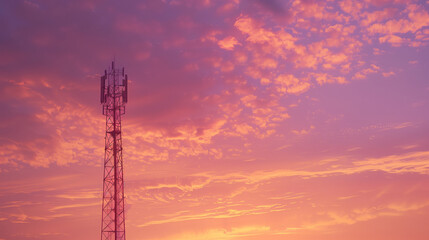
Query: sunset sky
{"type": "Point", "coordinates": [246, 119]}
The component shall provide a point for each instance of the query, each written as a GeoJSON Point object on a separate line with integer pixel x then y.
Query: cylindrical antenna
{"type": "Point", "coordinates": [125, 91]}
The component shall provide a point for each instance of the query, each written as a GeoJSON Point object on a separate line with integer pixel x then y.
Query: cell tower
{"type": "Point", "coordinates": [114, 96]}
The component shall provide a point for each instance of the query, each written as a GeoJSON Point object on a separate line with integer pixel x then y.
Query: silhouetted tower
{"type": "Point", "coordinates": [114, 95]}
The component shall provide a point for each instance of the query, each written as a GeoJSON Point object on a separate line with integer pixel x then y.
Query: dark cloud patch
{"type": "Point", "coordinates": [277, 10]}
{"type": "Point", "coordinates": [274, 6]}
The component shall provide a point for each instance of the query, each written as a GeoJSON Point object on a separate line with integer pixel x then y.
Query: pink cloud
{"type": "Point", "coordinates": [352, 7]}
{"type": "Point", "coordinates": [396, 41]}
{"type": "Point", "coordinates": [378, 16]}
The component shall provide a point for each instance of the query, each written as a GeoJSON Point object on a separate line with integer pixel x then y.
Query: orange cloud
{"type": "Point", "coordinates": [287, 83]}
{"type": "Point", "coordinates": [388, 74]}
{"type": "Point", "coordinates": [228, 43]}
{"type": "Point", "coordinates": [323, 78]}
{"type": "Point", "coordinates": [413, 19]}
{"type": "Point", "coordinates": [257, 34]}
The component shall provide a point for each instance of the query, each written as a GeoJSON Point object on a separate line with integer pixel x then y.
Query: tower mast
{"type": "Point", "coordinates": [113, 97]}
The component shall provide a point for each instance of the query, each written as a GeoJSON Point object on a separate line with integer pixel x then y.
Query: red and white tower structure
{"type": "Point", "coordinates": [114, 96]}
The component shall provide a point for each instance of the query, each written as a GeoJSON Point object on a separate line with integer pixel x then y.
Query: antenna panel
{"type": "Point", "coordinates": [102, 89]}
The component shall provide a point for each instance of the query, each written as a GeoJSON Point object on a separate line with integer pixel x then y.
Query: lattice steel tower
{"type": "Point", "coordinates": [114, 95]}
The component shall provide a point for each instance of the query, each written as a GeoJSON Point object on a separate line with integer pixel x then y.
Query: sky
{"type": "Point", "coordinates": [246, 119]}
